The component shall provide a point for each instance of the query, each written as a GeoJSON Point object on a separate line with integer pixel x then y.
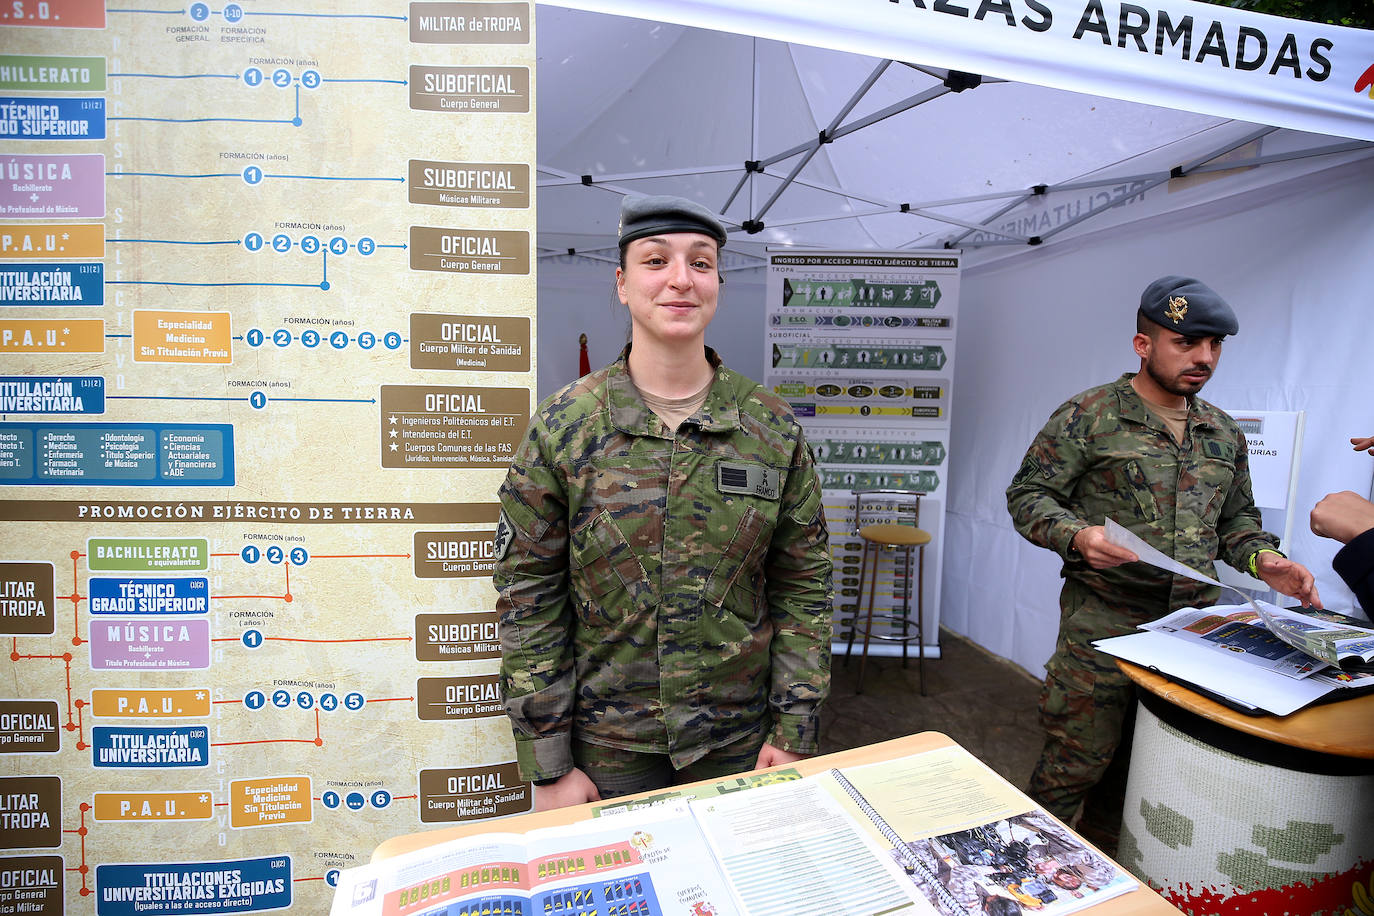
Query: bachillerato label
{"type": "Point", "coordinates": [470, 90]}
{"type": "Point", "coordinates": [449, 796]}
{"type": "Point", "coordinates": [470, 251]}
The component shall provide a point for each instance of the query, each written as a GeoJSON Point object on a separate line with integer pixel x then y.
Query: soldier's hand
{"type": "Point", "coordinates": [572, 788]}
{"type": "Point", "coordinates": [1342, 516]}
{"type": "Point", "coordinates": [771, 756]}
{"type": "Point", "coordinates": [1100, 553]}
{"type": "Point", "coordinates": [1363, 445]}
{"type": "Point", "coordinates": [1289, 578]}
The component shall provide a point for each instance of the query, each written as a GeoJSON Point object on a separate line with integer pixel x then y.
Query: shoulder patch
{"type": "Point", "coordinates": [505, 534]}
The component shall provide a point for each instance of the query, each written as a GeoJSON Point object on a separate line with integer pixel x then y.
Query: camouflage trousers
{"type": "Point", "coordinates": [1084, 707]}
{"type": "Point", "coordinates": [619, 772]}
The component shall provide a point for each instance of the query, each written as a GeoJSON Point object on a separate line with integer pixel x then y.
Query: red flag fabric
{"type": "Point", "coordinates": [584, 364]}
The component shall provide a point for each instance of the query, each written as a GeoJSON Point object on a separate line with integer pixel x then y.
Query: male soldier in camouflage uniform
{"type": "Point", "coordinates": [663, 578]}
{"type": "Point", "coordinates": [1171, 468]}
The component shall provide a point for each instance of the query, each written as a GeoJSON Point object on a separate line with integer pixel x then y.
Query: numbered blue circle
{"type": "Point", "coordinates": [281, 78]}
{"type": "Point", "coordinates": [310, 244]}
{"type": "Point", "coordinates": [305, 699]}
{"type": "Point", "coordinates": [200, 12]}
{"type": "Point", "coordinates": [252, 76]}
{"type": "Point", "coordinates": [329, 702]}
{"type": "Point", "coordinates": [392, 340]}
{"type": "Point", "coordinates": [338, 245]}
{"type": "Point", "coordinates": [232, 12]}
{"type": "Point", "coordinates": [281, 337]}
{"type": "Point", "coordinates": [367, 340]}
{"type": "Point", "coordinates": [354, 800]}
{"type": "Point", "coordinates": [257, 400]}
{"type": "Point", "coordinates": [254, 699]}
{"type": "Point", "coordinates": [252, 175]}
{"type": "Point", "coordinates": [338, 340]}
{"type": "Point", "coordinates": [310, 79]}
{"type": "Point", "coordinates": [331, 877]}
{"type": "Point", "coordinates": [275, 555]}
{"type": "Point", "coordinates": [366, 246]}
{"type": "Point", "coordinates": [331, 799]}
{"type": "Point", "coordinates": [381, 798]}
{"type": "Point", "coordinates": [251, 638]}
{"type": "Point", "coordinates": [281, 699]}
{"type": "Point", "coordinates": [299, 556]}
{"type": "Point", "coordinates": [250, 554]}
{"type": "Point", "coordinates": [310, 338]}
{"type": "Point", "coordinates": [281, 242]}
{"type": "Point", "coordinates": [254, 337]}
{"type": "Point", "coordinates": [253, 241]}
{"type": "Point", "coordinates": [353, 701]}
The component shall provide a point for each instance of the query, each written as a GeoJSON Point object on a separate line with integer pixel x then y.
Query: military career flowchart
{"type": "Point", "coordinates": [266, 324]}
{"type": "Point", "coordinates": [861, 344]}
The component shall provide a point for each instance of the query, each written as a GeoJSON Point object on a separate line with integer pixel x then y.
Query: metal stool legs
{"type": "Point", "coordinates": [871, 586]}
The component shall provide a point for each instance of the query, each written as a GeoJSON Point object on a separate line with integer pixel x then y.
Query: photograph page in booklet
{"type": "Point", "coordinates": [649, 863]}
{"type": "Point", "coordinates": [965, 835]}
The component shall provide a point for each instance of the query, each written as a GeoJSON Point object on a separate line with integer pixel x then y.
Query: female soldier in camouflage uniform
{"type": "Point", "coordinates": [662, 566]}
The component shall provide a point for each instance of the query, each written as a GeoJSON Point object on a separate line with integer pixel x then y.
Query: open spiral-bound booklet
{"type": "Point", "coordinates": [934, 832]}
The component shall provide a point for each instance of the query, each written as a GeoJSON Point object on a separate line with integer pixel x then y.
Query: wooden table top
{"type": "Point", "coordinates": [1344, 728]}
{"type": "Point", "coordinates": [1140, 902]}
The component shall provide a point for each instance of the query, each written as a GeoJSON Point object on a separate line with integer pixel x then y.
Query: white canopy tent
{"type": "Point", "coordinates": [1065, 204]}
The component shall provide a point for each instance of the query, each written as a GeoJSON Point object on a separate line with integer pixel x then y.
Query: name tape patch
{"type": "Point", "coordinates": [747, 480]}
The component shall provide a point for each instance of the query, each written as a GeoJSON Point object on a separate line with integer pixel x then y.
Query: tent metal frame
{"type": "Point", "coordinates": [838, 128]}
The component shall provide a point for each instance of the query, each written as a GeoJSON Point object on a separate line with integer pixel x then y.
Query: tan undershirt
{"type": "Point", "coordinates": [672, 411]}
{"type": "Point", "coordinates": [1175, 418]}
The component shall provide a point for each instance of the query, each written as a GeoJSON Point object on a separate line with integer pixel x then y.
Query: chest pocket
{"type": "Point", "coordinates": [736, 581]}
{"type": "Point", "coordinates": [1215, 472]}
{"type": "Point", "coordinates": [608, 581]}
{"type": "Point", "coordinates": [1120, 486]}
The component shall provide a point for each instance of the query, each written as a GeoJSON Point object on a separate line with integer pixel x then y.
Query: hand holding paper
{"type": "Point", "coordinates": [1098, 550]}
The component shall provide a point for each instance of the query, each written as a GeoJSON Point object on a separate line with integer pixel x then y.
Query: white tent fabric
{"type": "Point", "coordinates": [653, 108]}
{"type": "Point", "coordinates": [1179, 54]}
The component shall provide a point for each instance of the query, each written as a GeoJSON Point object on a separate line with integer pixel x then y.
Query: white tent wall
{"type": "Point", "coordinates": [1039, 327]}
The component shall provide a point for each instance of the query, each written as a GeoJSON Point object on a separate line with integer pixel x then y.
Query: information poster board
{"type": "Point", "coordinates": [861, 344]}
{"type": "Point", "coordinates": [267, 304]}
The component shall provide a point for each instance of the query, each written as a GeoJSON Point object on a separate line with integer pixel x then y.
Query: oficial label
{"type": "Point", "coordinates": [469, 23]}
{"type": "Point", "coordinates": [32, 885]}
{"type": "Point", "coordinates": [470, 90]}
{"type": "Point", "coordinates": [25, 118]}
{"type": "Point", "coordinates": [144, 595]}
{"type": "Point", "coordinates": [29, 727]}
{"type": "Point", "coordinates": [495, 185]}
{"type": "Point", "coordinates": [30, 813]}
{"type": "Point", "coordinates": [469, 342]}
{"type": "Point", "coordinates": [457, 637]}
{"type": "Point", "coordinates": [150, 748]}
{"type": "Point", "coordinates": [26, 599]}
{"type": "Point", "coordinates": [426, 426]}
{"type": "Point", "coordinates": [170, 888]}
{"type": "Point", "coordinates": [450, 796]}
{"type": "Point", "coordinates": [470, 251]}
{"type": "Point", "coordinates": [52, 284]}
{"type": "Point", "coordinates": [452, 699]}
{"type": "Point", "coordinates": [76, 394]}
{"type": "Point", "coordinates": [454, 554]}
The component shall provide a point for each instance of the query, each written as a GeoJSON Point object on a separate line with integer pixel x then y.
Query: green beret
{"type": "Point", "coordinates": [1188, 307]}
{"type": "Point", "coordinates": [662, 214]}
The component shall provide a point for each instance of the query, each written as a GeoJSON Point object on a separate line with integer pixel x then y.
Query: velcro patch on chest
{"type": "Point", "coordinates": [747, 480]}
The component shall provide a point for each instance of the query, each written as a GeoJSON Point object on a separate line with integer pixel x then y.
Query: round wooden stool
{"type": "Point", "coordinates": [892, 537]}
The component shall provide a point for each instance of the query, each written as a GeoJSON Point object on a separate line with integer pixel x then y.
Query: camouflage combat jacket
{"type": "Point", "coordinates": [1103, 454]}
{"type": "Point", "coordinates": [661, 591]}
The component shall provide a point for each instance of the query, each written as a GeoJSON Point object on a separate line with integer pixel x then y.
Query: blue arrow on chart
{"type": "Point", "coordinates": [176, 76]}
{"type": "Point", "coordinates": [328, 15]}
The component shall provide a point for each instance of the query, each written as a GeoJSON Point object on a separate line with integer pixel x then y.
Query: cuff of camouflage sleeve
{"type": "Point", "coordinates": [543, 758]}
{"type": "Point", "coordinates": [796, 734]}
{"type": "Point", "coordinates": [1065, 546]}
{"type": "Point", "coordinates": [1254, 559]}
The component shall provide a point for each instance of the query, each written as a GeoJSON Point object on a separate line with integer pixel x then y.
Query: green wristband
{"type": "Point", "coordinates": [1254, 559]}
